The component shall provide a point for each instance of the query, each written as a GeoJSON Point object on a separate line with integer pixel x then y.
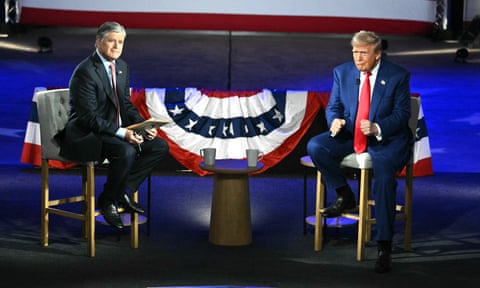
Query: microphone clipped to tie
{"type": "Point", "coordinates": [357, 81]}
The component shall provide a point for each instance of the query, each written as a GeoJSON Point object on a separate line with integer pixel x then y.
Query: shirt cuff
{"type": "Point", "coordinates": [379, 135]}
{"type": "Point", "coordinates": [121, 132]}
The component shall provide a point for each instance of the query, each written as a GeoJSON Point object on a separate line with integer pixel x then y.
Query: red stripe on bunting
{"type": "Point", "coordinates": [31, 154]}
{"type": "Point", "coordinates": [423, 167]}
{"type": "Point", "coordinates": [226, 94]}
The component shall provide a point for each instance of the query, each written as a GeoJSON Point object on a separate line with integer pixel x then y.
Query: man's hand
{"type": "Point", "coordinates": [133, 138]}
{"type": "Point", "coordinates": [337, 126]}
{"type": "Point", "coordinates": [150, 133]}
{"type": "Point", "coordinates": [368, 128]}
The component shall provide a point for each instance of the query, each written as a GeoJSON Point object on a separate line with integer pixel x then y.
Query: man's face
{"type": "Point", "coordinates": [365, 57]}
{"type": "Point", "coordinates": [111, 45]}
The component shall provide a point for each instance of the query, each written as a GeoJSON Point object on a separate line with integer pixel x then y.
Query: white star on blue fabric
{"type": "Point", "coordinates": [211, 129]}
{"type": "Point", "coordinates": [224, 130]}
{"type": "Point", "coordinates": [176, 111]}
{"type": "Point", "coordinates": [261, 127]}
{"type": "Point", "coordinates": [278, 116]}
{"type": "Point", "coordinates": [190, 125]}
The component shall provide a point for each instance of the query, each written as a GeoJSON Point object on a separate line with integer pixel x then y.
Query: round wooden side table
{"type": "Point", "coordinates": [230, 219]}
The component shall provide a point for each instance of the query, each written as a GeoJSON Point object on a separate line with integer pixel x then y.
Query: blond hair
{"type": "Point", "coordinates": [363, 38]}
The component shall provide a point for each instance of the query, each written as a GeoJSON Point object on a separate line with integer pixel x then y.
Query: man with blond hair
{"type": "Point", "coordinates": [381, 129]}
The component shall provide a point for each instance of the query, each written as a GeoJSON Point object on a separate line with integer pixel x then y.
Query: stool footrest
{"type": "Point", "coordinates": [336, 222]}
{"type": "Point", "coordinates": [125, 219]}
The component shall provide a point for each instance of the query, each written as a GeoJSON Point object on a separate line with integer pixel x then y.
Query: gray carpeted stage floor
{"type": "Point", "coordinates": [446, 246]}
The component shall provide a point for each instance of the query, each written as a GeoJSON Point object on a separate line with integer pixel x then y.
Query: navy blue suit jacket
{"type": "Point", "coordinates": [389, 108]}
{"type": "Point", "coordinates": [94, 109]}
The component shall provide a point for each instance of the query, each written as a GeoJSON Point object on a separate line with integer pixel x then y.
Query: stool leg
{"type": "Point", "coordinates": [134, 224]}
{"type": "Point", "coordinates": [362, 215]}
{"type": "Point", "coordinates": [320, 204]}
{"type": "Point", "coordinates": [45, 204]}
{"type": "Point", "coordinates": [408, 208]}
{"type": "Point", "coordinates": [368, 231]}
{"type": "Point", "coordinates": [89, 182]}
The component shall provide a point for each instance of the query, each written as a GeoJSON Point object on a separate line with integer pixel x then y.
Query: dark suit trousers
{"type": "Point", "coordinates": [129, 166]}
{"type": "Point", "coordinates": [326, 153]}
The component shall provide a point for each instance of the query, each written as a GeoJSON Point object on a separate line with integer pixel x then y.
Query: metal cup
{"type": "Point", "coordinates": [208, 155]}
{"type": "Point", "coordinates": [253, 156]}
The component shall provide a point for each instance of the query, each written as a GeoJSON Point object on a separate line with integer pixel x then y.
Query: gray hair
{"type": "Point", "coordinates": [109, 27]}
{"type": "Point", "coordinates": [363, 38]}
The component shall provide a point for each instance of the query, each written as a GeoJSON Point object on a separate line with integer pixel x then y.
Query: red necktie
{"type": "Point", "coordinates": [114, 86]}
{"type": "Point", "coordinates": [359, 139]}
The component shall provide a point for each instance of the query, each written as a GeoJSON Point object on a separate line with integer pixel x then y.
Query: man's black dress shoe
{"type": "Point", "coordinates": [130, 205]}
{"type": "Point", "coordinates": [339, 206]}
{"type": "Point", "coordinates": [384, 261]}
{"type": "Point", "coordinates": [110, 214]}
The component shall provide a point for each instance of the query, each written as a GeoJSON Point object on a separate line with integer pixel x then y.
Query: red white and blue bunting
{"type": "Point", "coordinates": [230, 121]}
{"type": "Point", "coordinates": [273, 121]}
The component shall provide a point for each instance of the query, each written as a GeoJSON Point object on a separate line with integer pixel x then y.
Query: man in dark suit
{"type": "Point", "coordinates": [386, 129]}
{"type": "Point", "coordinates": [100, 112]}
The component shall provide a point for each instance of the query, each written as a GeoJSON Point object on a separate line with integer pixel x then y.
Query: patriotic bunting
{"type": "Point", "coordinates": [273, 121]}
{"type": "Point", "coordinates": [422, 157]}
{"type": "Point", "coordinates": [230, 121]}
